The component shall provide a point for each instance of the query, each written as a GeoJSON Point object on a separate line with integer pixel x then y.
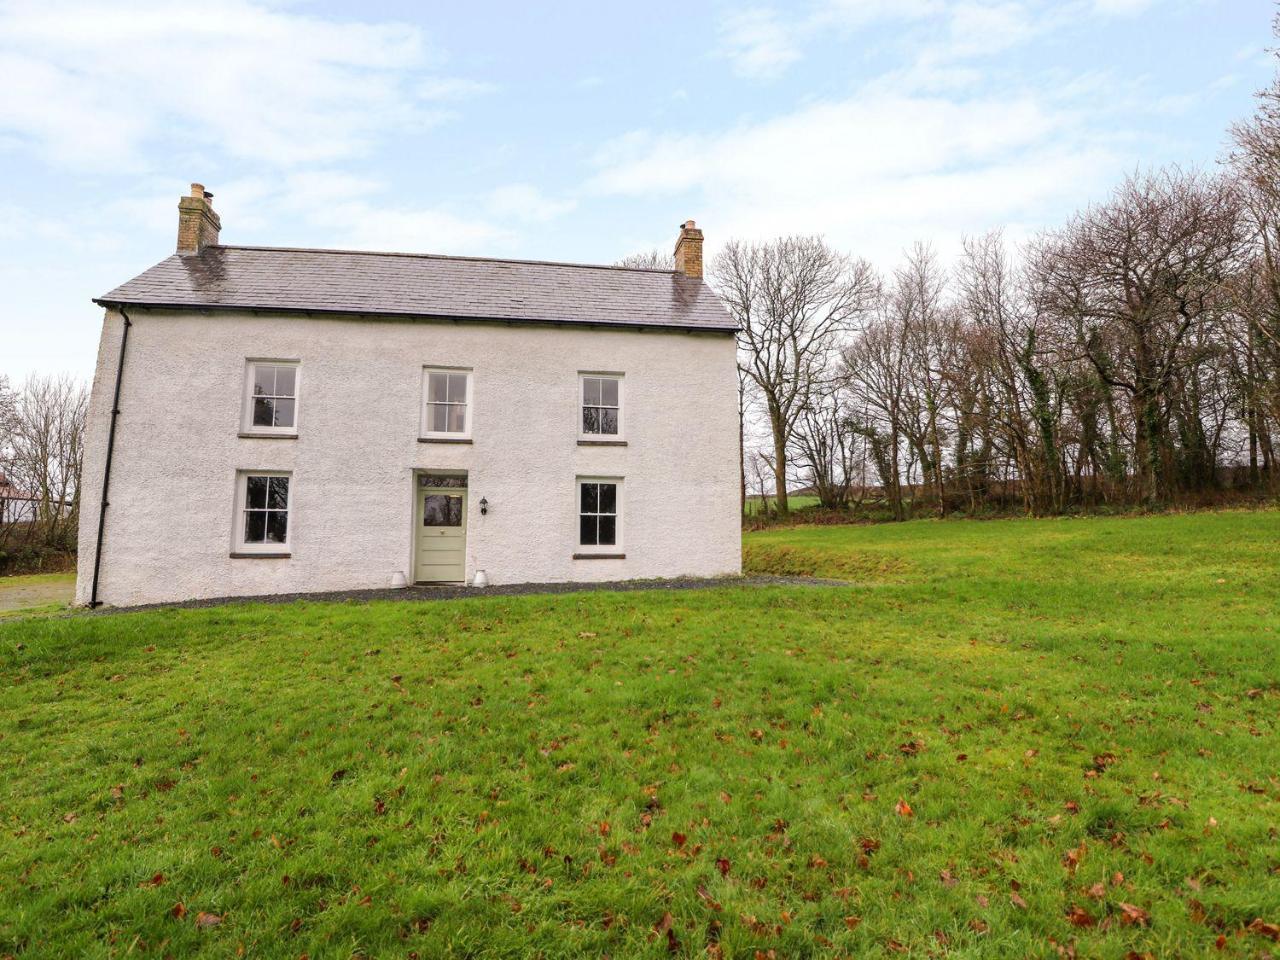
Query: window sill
{"type": "Point", "coordinates": [248, 435]}
{"type": "Point", "coordinates": [599, 556]}
{"type": "Point", "coordinates": [602, 443]}
{"type": "Point", "coordinates": [444, 439]}
{"type": "Point", "coordinates": [240, 555]}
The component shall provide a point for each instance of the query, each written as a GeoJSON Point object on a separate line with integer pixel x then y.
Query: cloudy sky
{"type": "Point", "coordinates": [577, 131]}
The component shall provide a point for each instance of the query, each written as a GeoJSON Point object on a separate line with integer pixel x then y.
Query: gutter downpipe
{"type": "Point", "coordinates": [94, 602]}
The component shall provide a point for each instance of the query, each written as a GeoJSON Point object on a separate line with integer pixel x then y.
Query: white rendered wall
{"type": "Point", "coordinates": [169, 530]}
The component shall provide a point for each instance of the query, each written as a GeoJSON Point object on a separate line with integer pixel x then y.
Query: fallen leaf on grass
{"type": "Point", "coordinates": [723, 866]}
{"type": "Point", "coordinates": [903, 809]}
{"type": "Point", "coordinates": [206, 920]}
{"type": "Point", "coordinates": [1103, 760]}
{"type": "Point", "coordinates": [1071, 859]}
{"type": "Point", "coordinates": [664, 926]}
{"type": "Point", "coordinates": [179, 911]}
{"type": "Point", "coordinates": [1134, 915]}
{"type": "Point", "coordinates": [1080, 917]}
{"type": "Point", "coordinates": [1017, 901]}
{"type": "Point", "coordinates": [155, 881]}
{"type": "Point", "coordinates": [1264, 929]}
{"type": "Point", "coordinates": [706, 898]}
{"type": "Point", "coordinates": [852, 922]}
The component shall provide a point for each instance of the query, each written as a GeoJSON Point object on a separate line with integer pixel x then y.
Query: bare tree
{"type": "Point", "coordinates": [1012, 343]}
{"type": "Point", "coordinates": [1256, 162]}
{"type": "Point", "coordinates": [760, 469]}
{"type": "Point", "coordinates": [648, 260]}
{"type": "Point", "coordinates": [926, 327]}
{"type": "Point", "coordinates": [874, 367]}
{"type": "Point", "coordinates": [45, 451]}
{"type": "Point", "coordinates": [1133, 278]}
{"type": "Point", "coordinates": [793, 298]}
{"type": "Point", "coordinates": [10, 513]}
{"type": "Point", "coordinates": [827, 447]}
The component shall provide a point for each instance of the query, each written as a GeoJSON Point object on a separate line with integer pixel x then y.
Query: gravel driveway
{"type": "Point", "coordinates": [39, 591]}
{"type": "Point", "coordinates": [504, 590]}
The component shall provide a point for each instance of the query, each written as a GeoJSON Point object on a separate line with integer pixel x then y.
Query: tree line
{"type": "Point", "coordinates": [41, 454]}
{"type": "Point", "coordinates": [1130, 356]}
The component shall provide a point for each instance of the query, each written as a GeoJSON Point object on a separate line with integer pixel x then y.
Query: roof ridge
{"type": "Point", "coordinates": [445, 256]}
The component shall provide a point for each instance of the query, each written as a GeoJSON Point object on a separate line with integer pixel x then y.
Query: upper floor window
{"type": "Point", "coordinates": [446, 411]}
{"type": "Point", "coordinates": [271, 406]}
{"type": "Point", "coordinates": [601, 405]}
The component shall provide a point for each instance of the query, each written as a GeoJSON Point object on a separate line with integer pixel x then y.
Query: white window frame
{"type": "Point", "coordinates": [583, 377]}
{"type": "Point", "coordinates": [239, 545]}
{"type": "Point", "coordinates": [247, 426]}
{"type": "Point", "coordinates": [596, 548]}
{"type": "Point", "coordinates": [465, 433]}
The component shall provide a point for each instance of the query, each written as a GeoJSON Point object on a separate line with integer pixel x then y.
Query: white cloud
{"type": "Point", "coordinates": [362, 226]}
{"type": "Point", "coordinates": [91, 86]}
{"type": "Point", "coordinates": [524, 202]}
{"type": "Point", "coordinates": [453, 88]}
{"type": "Point", "coordinates": [873, 172]}
{"type": "Point", "coordinates": [857, 12]}
{"type": "Point", "coordinates": [982, 29]}
{"type": "Point", "coordinates": [762, 43]}
{"type": "Point", "coordinates": [331, 208]}
{"type": "Point", "coordinates": [759, 43]}
{"type": "Point", "coordinates": [1121, 8]}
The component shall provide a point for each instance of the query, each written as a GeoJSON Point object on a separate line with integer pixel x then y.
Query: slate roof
{"type": "Point", "coordinates": [292, 280]}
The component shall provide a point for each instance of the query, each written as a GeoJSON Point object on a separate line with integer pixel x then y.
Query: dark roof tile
{"type": "Point", "coordinates": [421, 285]}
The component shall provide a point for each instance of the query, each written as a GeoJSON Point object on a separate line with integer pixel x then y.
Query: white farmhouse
{"type": "Point", "coordinates": [271, 420]}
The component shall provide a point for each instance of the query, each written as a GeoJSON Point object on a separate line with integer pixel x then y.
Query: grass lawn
{"type": "Point", "coordinates": [795, 501]}
{"type": "Point", "coordinates": [36, 593]}
{"type": "Point", "coordinates": [1009, 739]}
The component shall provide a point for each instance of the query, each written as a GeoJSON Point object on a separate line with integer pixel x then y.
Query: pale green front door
{"type": "Point", "coordinates": [440, 519]}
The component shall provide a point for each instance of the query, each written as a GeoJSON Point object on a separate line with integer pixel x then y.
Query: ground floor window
{"type": "Point", "coordinates": [598, 515]}
{"type": "Point", "coordinates": [263, 521]}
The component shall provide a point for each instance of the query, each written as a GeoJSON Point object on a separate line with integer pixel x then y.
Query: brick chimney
{"type": "Point", "coordinates": [198, 225]}
{"type": "Point", "coordinates": [689, 250]}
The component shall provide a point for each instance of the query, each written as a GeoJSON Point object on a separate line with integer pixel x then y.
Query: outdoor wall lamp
{"type": "Point", "coordinates": [484, 506]}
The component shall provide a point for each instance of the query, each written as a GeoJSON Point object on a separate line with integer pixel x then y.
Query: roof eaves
{"type": "Point", "coordinates": [730, 327]}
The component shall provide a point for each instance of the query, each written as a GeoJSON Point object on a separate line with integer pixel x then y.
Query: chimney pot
{"type": "Point", "coordinates": [689, 250]}
{"type": "Point", "coordinates": [198, 225]}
